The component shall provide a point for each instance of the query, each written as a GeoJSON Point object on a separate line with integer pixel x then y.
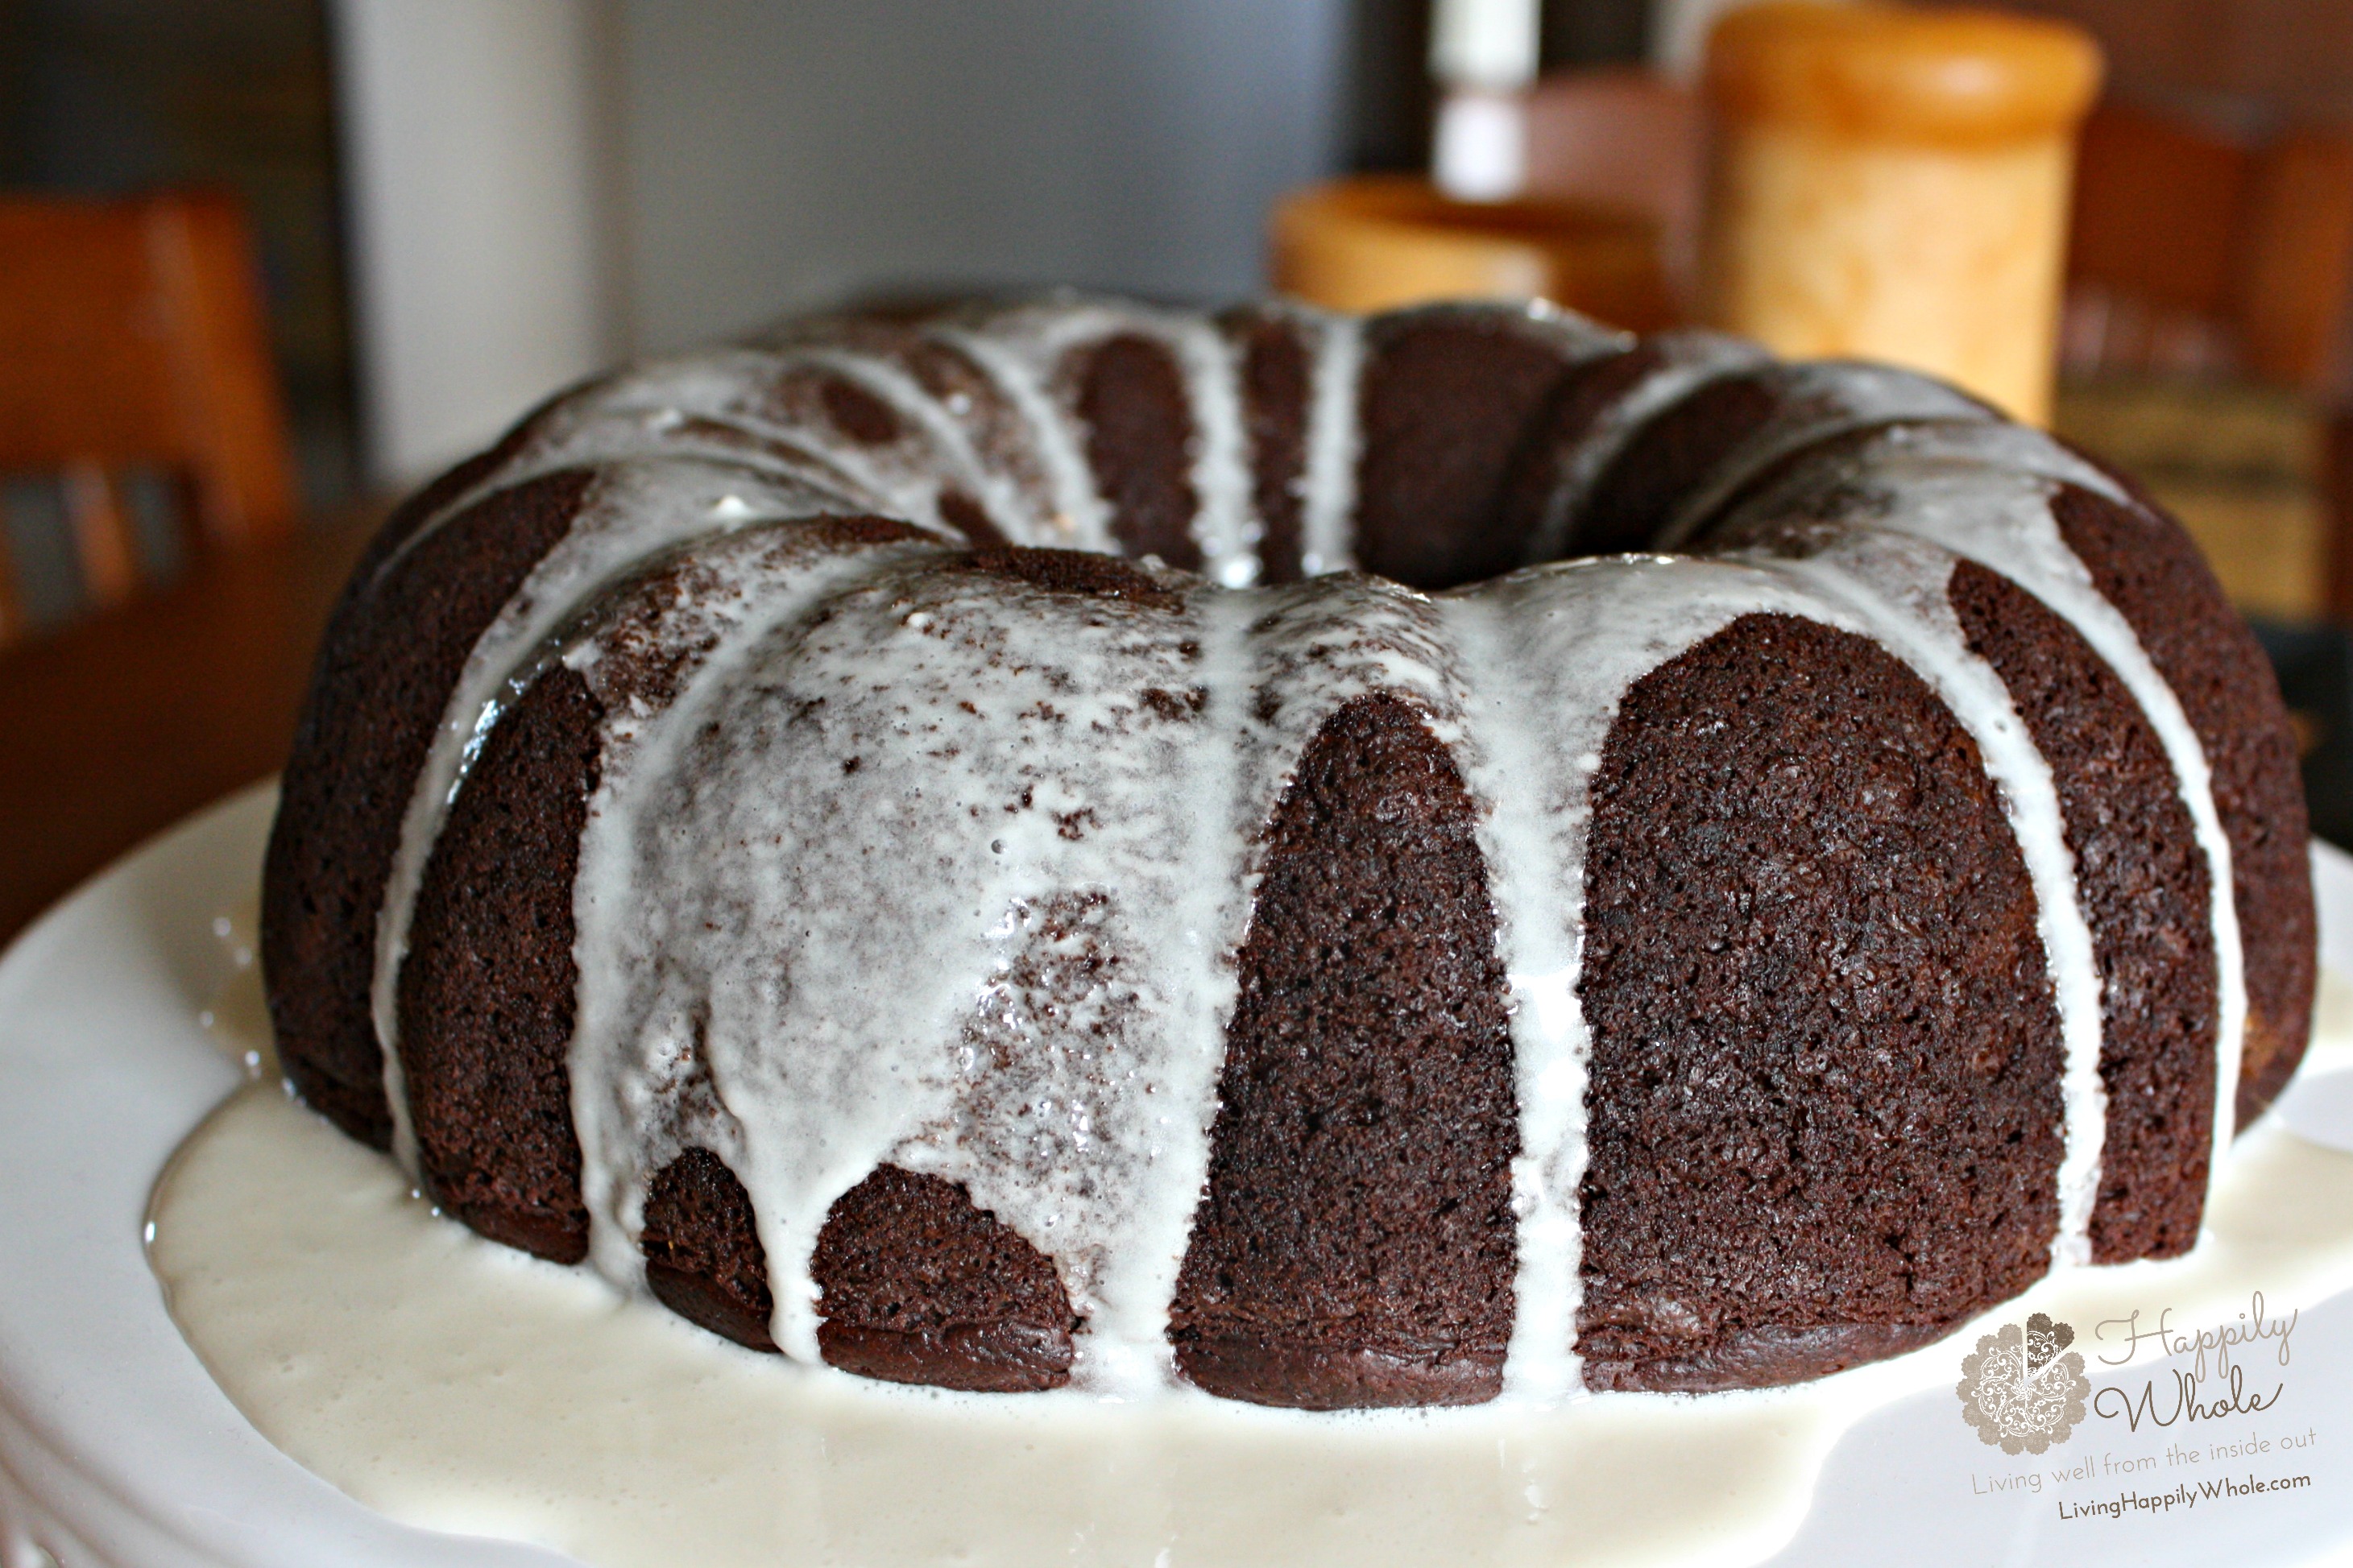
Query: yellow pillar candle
{"type": "Point", "coordinates": [1889, 183]}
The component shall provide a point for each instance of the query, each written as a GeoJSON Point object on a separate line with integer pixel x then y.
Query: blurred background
{"type": "Point", "coordinates": [359, 237]}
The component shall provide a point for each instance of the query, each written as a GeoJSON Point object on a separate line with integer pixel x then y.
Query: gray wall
{"type": "Point", "coordinates": [474, 151]}
{"type": "Point", "coordinates": [776, 156]}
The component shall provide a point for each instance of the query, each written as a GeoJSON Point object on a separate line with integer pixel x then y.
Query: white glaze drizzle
{"type": "Point", "coordinates": [910, 361]}
{"type": "Point", "coordinates": [1225, 524]}
{"type": "Point", "coordinates": [1896, 583]}
{"type": "Point", "coordinates": [1079, 520]}
{"type": "Point", "coordinates": [917, 471]}
{"type": "Point", "coordinates": [1819, 400]}
{"type": "Point", "coordinates": [1553, 650]}
{"type": "Point", "coordinates": [1983, 492]}
{"type": "Point", "coordinates": [644, 412]}
{"type": "Point", "coordinates": [636, 507]}
{"type": "Point", "coordinates": [636, 1066]}
{"type": "Point", "coordinates": [1016, 765]}
{"type": "Point", "coordinates": [822, 1053]}
{"type": "Point", "coordinates": [1333, 441]}
{"type": "Point", "coordinates": [1688, 359]}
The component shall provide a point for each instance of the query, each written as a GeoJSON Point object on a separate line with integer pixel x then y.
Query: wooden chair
{"type": "Point", "coordinates": [2199, 253]}
{"type": "Point", "coordinates": [1625, 138]}
{"type": "Point", "coordinates": [131, 335]}
{"type": "Point", "coordinates": [2209, 279]}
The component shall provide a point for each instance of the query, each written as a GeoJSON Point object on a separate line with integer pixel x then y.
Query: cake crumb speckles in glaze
{"type": "Point", "coordinates": [1030, 847]}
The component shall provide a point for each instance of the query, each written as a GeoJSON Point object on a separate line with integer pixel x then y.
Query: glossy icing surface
{"type": "Point", "coordinates": [900, 856]}
{"type": "Point", "coordinates": [972, 763]}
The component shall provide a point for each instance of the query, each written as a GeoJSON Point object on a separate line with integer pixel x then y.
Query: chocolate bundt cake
{"type": "Point", "coordinates": [1344, 862]}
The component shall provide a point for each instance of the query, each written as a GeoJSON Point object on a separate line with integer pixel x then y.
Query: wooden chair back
{"type": "Point", "coordinates": [2225, 260]}
{"type": "Point", "coordinates": [2195, 253]}
{"type": "Point", "coordinates": [131, 335]}
{"type": "Point", "coordinates": [1620, 137]}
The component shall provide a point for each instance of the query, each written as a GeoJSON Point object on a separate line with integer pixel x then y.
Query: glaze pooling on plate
{"type": "Point", "coordinates": [457, 1385]}
{"type": "Point", "coordinates": [117, 1448]}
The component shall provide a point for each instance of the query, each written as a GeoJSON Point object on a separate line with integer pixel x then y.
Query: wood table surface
{"type": "Point", "coordinates": [116, 727]}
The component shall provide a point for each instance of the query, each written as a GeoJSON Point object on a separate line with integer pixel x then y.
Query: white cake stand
{"type": "Point", "coordinates": [117, 1450]}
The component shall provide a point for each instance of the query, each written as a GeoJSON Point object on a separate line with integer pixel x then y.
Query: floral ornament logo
{"type": "Point", "coordinates": [2023, 1388]}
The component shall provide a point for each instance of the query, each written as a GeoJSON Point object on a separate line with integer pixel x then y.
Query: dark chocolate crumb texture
{"type": "Point", "coordinates": [1086, 846]}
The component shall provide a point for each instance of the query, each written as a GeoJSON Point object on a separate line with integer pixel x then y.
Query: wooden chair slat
{"type": "Point", "coordinates": [105, 544]}
{"type": "Point", "coordinates": [2298, 259]}
{"type": "Point", "coordinates": [2193, 252]}
{"type": "Point", "coordinates": [131, 334]}
{"type": "Point", "coordinates": [229, 401]}
{"type": "Point", "coordinates": [2156, 210]}
{"type": "Point", "coordinates": [11, 608]}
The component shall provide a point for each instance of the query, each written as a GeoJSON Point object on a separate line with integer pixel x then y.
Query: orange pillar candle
{"type": "Point", "coordinates": [1889, 183]}
{"type": "Point", "coordinates": [1375, 242]}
